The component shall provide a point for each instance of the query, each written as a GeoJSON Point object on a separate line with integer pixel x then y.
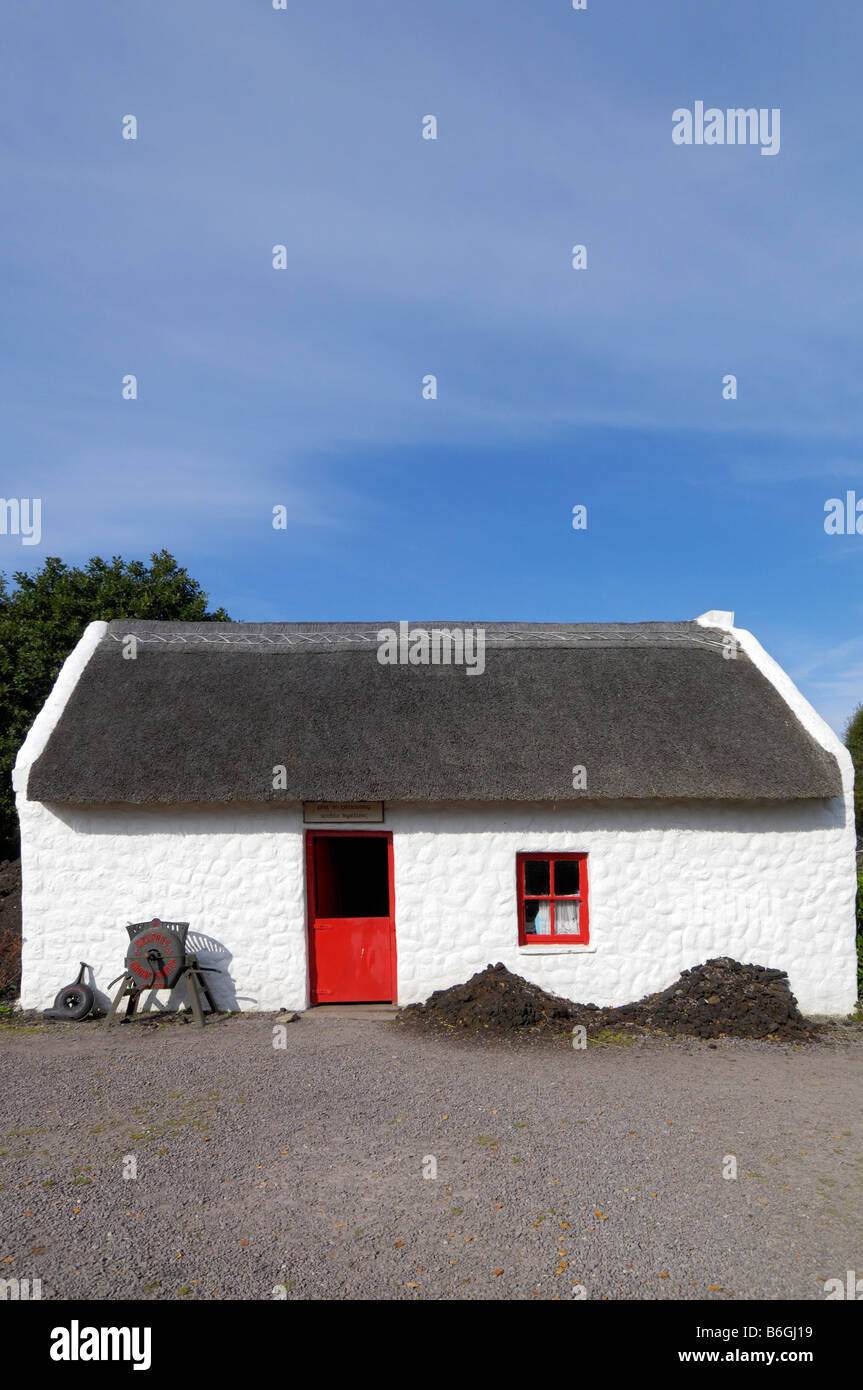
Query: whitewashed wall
{"type": "Point", "coordinates": [670, 886]}
{"type": "Point", "coordinates": [234, 873]}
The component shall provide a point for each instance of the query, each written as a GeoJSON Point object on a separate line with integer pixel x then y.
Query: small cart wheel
{"type": "Point", "coordinates": [75, 1001]}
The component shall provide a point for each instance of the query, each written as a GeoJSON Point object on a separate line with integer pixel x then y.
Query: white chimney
{"type": "Point", "coordinates": [716, 617]}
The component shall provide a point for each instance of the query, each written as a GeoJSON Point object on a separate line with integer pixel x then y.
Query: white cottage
{"type": "Point", "coordinates": [346, 812]}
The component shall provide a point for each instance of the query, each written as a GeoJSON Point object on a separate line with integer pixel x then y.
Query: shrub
{"type": "Point", "coordinates": [10, 929]}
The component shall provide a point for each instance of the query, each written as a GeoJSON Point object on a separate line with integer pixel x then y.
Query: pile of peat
{"type": "Point", "coordinates": [493, 998]}
{"type": "Point", "coordinates": [720, 998]}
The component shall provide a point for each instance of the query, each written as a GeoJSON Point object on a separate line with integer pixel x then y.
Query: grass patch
{"type": "Point", "coordinates": [609, 1037]}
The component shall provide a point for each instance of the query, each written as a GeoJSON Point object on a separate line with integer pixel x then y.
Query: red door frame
{"type": "Point", "coordinates": [311, 836]}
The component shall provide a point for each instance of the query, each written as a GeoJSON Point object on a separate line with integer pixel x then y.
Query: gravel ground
{"type": "Point", "coordinates": [303, 1166]}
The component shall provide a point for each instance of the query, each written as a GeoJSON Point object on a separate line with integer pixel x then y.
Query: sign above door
{"type": "Point", "coordinates": [335, 812]}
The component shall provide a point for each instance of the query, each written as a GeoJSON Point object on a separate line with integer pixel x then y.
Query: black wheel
{"type": "Point", "coordinates": [75, 1001]}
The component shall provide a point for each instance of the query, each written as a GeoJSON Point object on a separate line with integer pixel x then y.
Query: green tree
{"type": "Point", "coordinates": [854, 744]}
{"type": "Point", "coordinates": [42, 618]}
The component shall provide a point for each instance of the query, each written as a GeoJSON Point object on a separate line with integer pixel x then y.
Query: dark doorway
{"type": "Point", "coordinates": [352, 876]}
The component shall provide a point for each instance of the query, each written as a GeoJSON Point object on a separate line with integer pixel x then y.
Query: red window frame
{"type": "Point", "coordinates": [582, 938]}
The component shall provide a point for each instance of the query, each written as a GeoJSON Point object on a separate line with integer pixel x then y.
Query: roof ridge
{"type": "Point", "coordinates": [495, 635]}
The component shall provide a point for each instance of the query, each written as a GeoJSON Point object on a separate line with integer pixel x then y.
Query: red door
{"type": "Point", "coordinates": [351, 916]}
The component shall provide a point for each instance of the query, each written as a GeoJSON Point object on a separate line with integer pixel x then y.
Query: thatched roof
{"type": "Point", "coordinates": [206, 711]}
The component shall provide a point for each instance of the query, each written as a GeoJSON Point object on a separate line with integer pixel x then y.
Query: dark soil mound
{"type": "Point", "coordinates": [721, 997]}
{"type": "Point", "coordinates": [493, 998]}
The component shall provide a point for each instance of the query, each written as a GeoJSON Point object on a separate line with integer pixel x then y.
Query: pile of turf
{"type": "Point", "coordinates": [720, 998]}
{"type": "Point", "coordinates": [493, 998]}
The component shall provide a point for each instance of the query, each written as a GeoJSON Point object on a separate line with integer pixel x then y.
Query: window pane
{"type": "Point", "coordinates": [566, 918]}
{"type": "Point", "coordinates": [566, 876]}
{"type": "Point", "coordinates": [537, 918]}
{"type": "Point", "coordinates": [536, 876]}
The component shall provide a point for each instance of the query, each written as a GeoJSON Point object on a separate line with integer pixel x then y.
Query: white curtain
{"type": "Point", "coordinates": [566, 918]}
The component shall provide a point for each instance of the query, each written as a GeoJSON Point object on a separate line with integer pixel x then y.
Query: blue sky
{"type": "Point", "coordinates": [406, 257]}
